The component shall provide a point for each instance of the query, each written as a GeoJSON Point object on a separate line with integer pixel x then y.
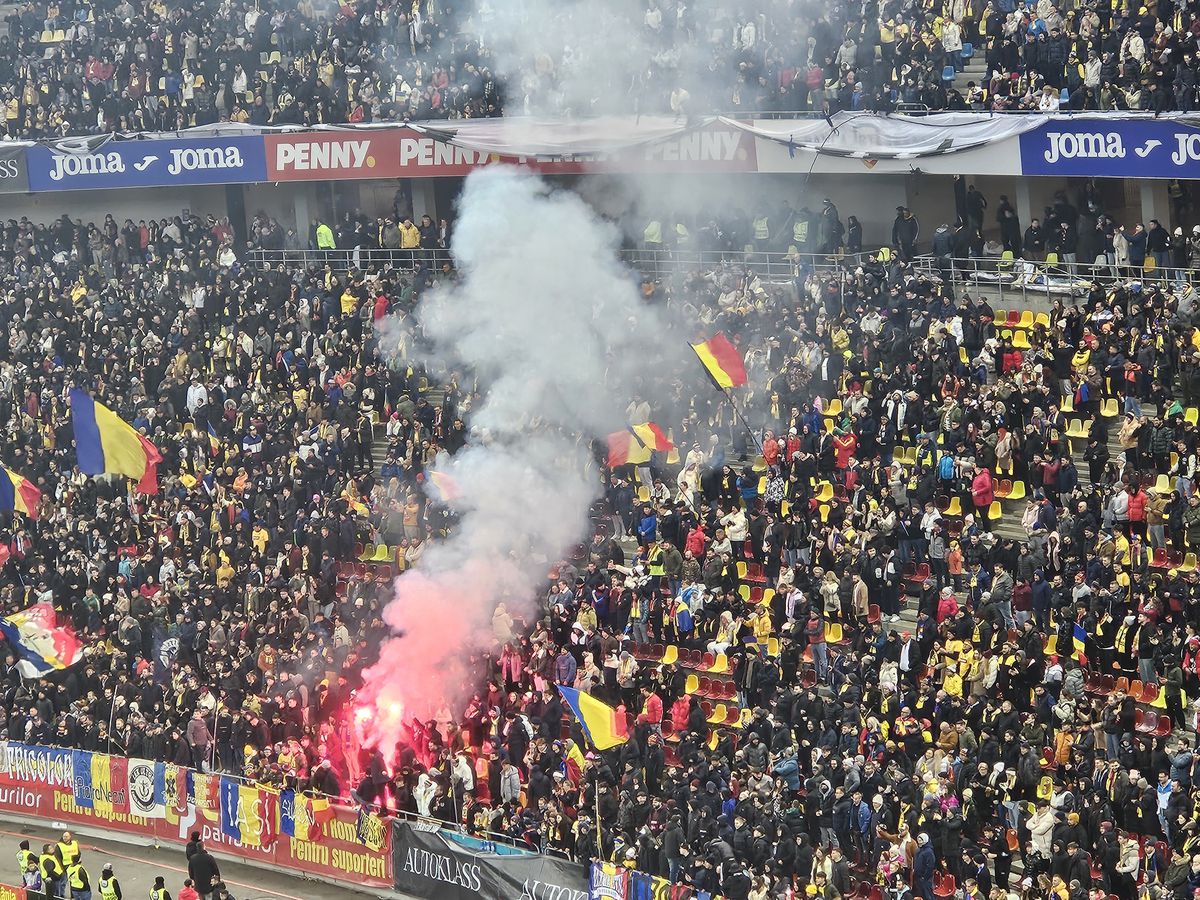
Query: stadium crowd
{"type": "Point", "coordinates": [738, 602]}
{"type": "Point", "coordinates": [75, 67]}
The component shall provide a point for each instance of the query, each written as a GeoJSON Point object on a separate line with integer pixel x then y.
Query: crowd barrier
{"type": "Point", "coordinates": [291, 832]}
{"type": "Point", "coordinates": [12, 892]}
{"type": "Point", "coordinates": [166, 803]}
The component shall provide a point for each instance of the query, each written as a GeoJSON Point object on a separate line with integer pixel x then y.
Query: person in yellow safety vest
{"type": "Point", "coordinates": [652, 235]}
{"type": "Point", "coordinates": [762, 232]}
{"type": "Point", "coordinates": [654, 560]}
{"type": "Point", "coordinates": [324, 236]}
{"type": "Point", "coordinates": [80, 881]}
{"type": "Point", "coordinates": [110, 888]}
{"type": "Point", "coordinates": [68, 848]}
{"type": "Point", "coordinates": [52, 871]}
{"type": "Point", "coordinates": [24, 855]}
{"type": "Point", "coordinates": [159, 891]}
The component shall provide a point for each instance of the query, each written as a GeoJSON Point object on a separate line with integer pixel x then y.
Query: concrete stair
{"type": "Point", "coordinates": [975, 70]}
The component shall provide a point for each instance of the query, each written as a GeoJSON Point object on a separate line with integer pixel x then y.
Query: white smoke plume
{"type": "Point", "coordinates": [554, 328]}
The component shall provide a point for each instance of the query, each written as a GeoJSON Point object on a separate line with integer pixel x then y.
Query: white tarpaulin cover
{"type": "Point", "coordinates": [865, 134]}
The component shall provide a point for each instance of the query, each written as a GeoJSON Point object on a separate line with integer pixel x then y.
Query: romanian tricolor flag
{"type": "Point", "coordinates": [722, 361]}
{"type": "Point", "coordinates": [573, 762]}
{"type": "Point", "coordinates": [18, 494]}
{"type": "Point", "coordinates": [110, 785]}
{"type": "Point", "coordinates": [443, 486]}
{"type": "Point", "coordinates": [105, 444]}
{"type": "Point", "coordinates": [41, 643]}
{"type": "Point", "coordinates": [214, 442]}
{"type": "Point", "coordinates": [247, 813]}
{"type": "Point", "coordinates": [636, 444]}
{"type": "Point", "coordinates": [1079, 642]}
{"type": "Point", "coordinates": [601, 724]}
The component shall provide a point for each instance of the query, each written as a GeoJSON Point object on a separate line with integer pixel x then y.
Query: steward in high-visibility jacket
{"type": "Point", "coordinates": [109, 888]}
{"type": "Point", "coordinates": [68, 848]}
{"type": "Point", "coordinates": [81, 883]}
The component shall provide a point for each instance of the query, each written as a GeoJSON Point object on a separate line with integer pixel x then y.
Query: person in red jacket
{"type": "Point", "coordinates": [1137, 511]}
{"type": "Point", "coordinates": [697, 540]}
{"type": "Point", "coordinates": [982, 495]}
{"type": "Point", "coordinates": [652, 709]}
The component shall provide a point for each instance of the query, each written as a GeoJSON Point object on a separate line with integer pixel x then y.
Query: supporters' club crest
{"type": "Point", "coordinates": [167, 652]}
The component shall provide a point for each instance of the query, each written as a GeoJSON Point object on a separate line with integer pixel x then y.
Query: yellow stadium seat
{"type": "Point", "coordinates": [671, 656]}
{"type": "Point", "coordinates": [643, 494]}
{"type": "Point", "coordinates": [772, 646]}
{"type": "Point", "coordinates": [1051, 645]}
{"type": "Point", "coordinates": [718, 714]}
{"type": "Point", "coordinates": [1052, 258]}
{"type": "Point", "coordinates": [1189, 562]}
{"type": "Point", "coordinates": [1162, 485]}
{"type": "Point", "coordinates": [824, 493]}
{"type": "Point", "coordinates": [1042, 320]}
{"type": "Point", "coordinates": [955, 507]}
{"type": "Point", "coordinates": [744, 592]}
{"type": "Point", "coordinates": [1006, 261]}
{"type": "Point", "coordinates": [1191, 415]}
{"type": "Point", "coordinates": [768, 596]}
{"type": "Point", "coordinates": [1149, 265]}
{"type": "Point", "coordinates": [1018, 491]}
{"type": "Point", "coordinates": [833, 632]}
{"type": "Point", "coordinates": [692, 684]}
{"type": "Point", "coordinates": [1109, 408]}
{"type": "Point", "coordinates": [742, 570]}
{"type": "Point", "coordinates": [1067, 403]}
{"type": "Point", "coordinates": [832, 408]}
{"type": "Point", "coordinates": [1020, 340]}
{"type": "Point", "coordinates": [962, 355]}
{"type": "Point", "coordinates": [995, 510]}
{"type": "Point", "coordinates": [1026, 321]}
{"type": "Point", "coordinates": [785, 508]}
{"type": "Point", "coordinates": [368, 552]}
{"type": "Point", "coordinates": [720, 665]}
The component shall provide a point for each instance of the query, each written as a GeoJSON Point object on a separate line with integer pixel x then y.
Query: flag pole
{"type": "Point", "coordinates": [737, 412]}
{"type": "Point", "coordinates": [596, 791]}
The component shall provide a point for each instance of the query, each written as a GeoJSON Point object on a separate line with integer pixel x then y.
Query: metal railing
{"type": "Point", "coordinates": [652, 264]}
{"type": "Point", "coordinates": [1036, 281]}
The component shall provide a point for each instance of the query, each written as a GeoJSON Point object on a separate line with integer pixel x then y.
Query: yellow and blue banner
{"type": "Point", "coordinates": [1079, 643]}
{"type": "Point", "coordinates": [34, 634]}
{"type": "Point", "coordinates": [17, 494]}
{"type": "Point", "coordinates": [600, 722]}
{"type": "Point", "coordinates": [370, 830]}
{"type": "Point", "coordinates": [101, 782]}
{"type": "Point", "coordinates": [247, 813]}
{"type": "Point", "coordinates": [105, 444]}
{"type": "Point", "coordinates": [303, 817]}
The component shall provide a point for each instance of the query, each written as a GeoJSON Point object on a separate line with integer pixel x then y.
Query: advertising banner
{"type": "Point", "coordinates": [161, 802]}
{"type": "Point", "coordinates": [408, 153]}
{"type": "Point", "coordinates": [429, 863]}
{"type": "Point", "coordinates": [1112, 148]}
{"type": "Point", "coordinates": [150, 163]}
{"type": "Point", "coordinates": [12, 892]}
{"type": "Point", "coordinates": [14, 178]}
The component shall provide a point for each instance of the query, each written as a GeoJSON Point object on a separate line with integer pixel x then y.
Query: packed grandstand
{"type": "Point", "coordinates": [70, 68]}
{"type": "Point", "coordinates": [889, 586]}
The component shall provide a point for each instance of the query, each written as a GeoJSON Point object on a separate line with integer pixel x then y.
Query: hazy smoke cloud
{"type": "Point", "coordinates": [555, 329]}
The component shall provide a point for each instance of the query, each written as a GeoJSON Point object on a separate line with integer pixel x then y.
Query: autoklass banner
{"type": "Point", "coordinates": [430, 864]}
{"type": "Point", "coordinates": [14, 177]}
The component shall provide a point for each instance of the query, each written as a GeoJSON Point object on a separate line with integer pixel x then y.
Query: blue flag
{"type": "Point", "coordinates": [287, 812]}
{"type": "Point", "coordinates": [230, 799]}
{"type": "Point", "coordinates": [81, 762]}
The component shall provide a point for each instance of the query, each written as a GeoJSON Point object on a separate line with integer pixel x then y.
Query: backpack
{"type": "Point", "coordinates": [946, 468]}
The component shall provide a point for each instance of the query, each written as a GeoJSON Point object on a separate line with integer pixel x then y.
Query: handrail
{"type": "Point", "coordinates": [652, 264]}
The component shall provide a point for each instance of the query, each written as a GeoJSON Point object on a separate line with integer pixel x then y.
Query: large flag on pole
{"type": "Point", "coordinates": [601, 724]}
{"type": "Point", "coordinates": [105, 444]}
{"type": "Point", "coordinates": [722, 361]}
{"type": "Point", "coordinates": [636, 444]}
